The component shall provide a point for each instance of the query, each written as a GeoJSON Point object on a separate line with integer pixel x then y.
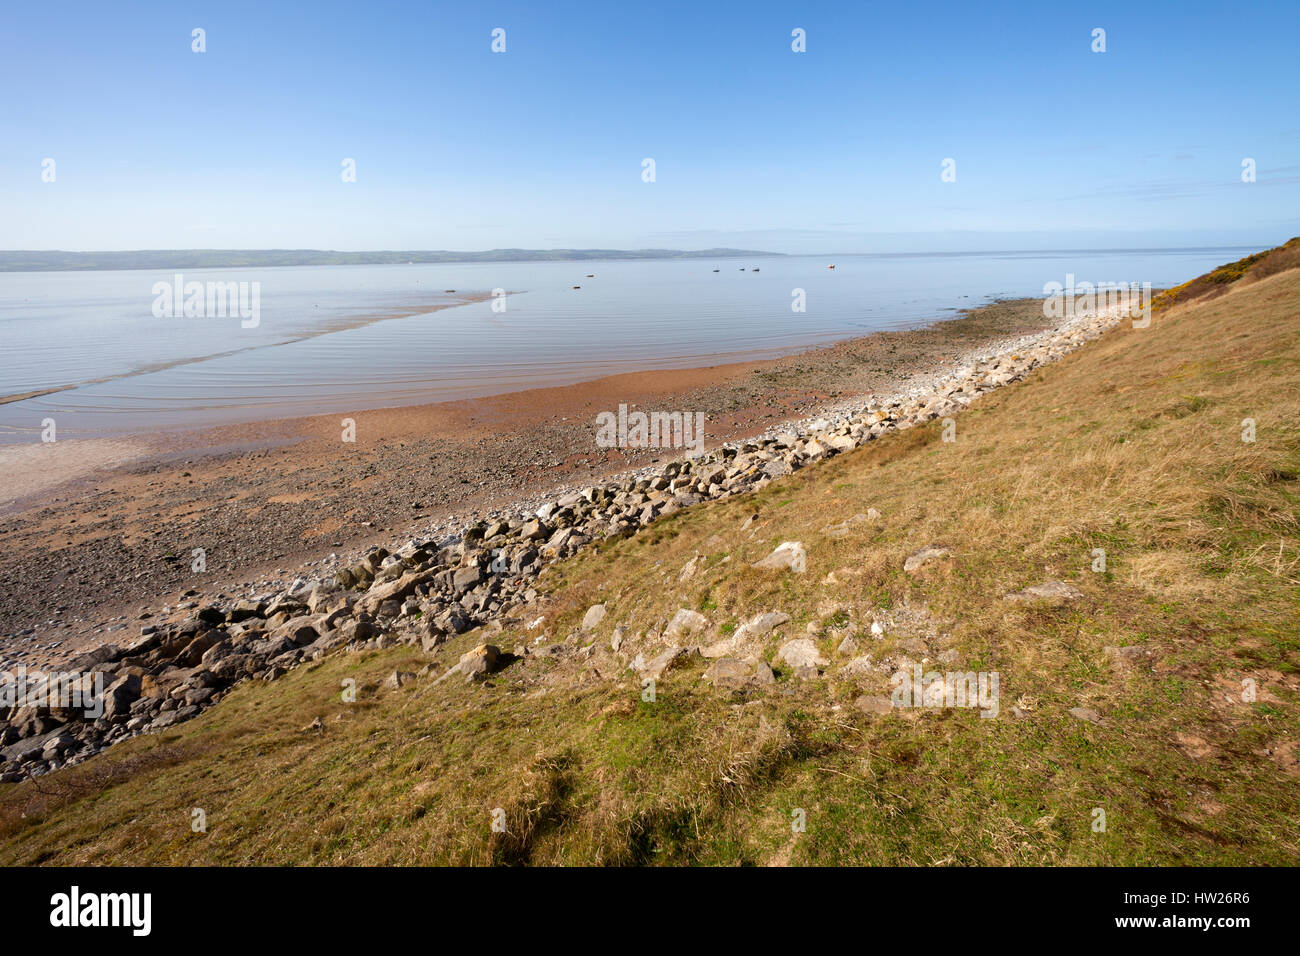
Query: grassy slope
{"type": "Point", "coordinates": [1132, 445]}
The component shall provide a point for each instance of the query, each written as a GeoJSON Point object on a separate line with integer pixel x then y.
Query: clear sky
{"type": "Point", "coordinates": [837, 149]}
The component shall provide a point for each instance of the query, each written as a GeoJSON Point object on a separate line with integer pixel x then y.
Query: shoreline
{"type": "Point", "coordinates": [91, 538]}
{"type": "Point", "coordinates": [471, 571]}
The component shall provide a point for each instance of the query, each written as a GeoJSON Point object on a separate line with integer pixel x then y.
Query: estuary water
{"type": "Point", "coordinates": [333, 339]}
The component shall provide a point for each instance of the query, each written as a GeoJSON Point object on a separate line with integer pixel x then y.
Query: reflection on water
{"type": "Point", "coordinates": [309, 354]}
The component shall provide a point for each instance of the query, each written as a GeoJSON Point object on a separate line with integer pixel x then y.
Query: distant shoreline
{"type": "Point", "coordinates": [160, 259]}
{"type": "Point", "coordinates": [59, 261]}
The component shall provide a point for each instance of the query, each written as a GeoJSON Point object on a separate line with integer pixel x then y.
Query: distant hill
{"type": "Point", "coordinates": [57, 261]}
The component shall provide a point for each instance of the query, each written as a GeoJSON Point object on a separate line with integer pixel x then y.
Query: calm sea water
{"type": "Point", "coordinates": [135, 372]}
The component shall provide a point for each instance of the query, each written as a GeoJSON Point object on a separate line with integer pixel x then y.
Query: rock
{"type": "Point", "coordinates": [453, 621]}
{"type": "Point", "coordinates": [918, 558]}
{"type": "Point", "coordinates": [914, 645]}
{"type": "Point", "coordinates": [730, 673]}
{"type": "Point", "coordinates": [193, 651]}
{"type": "Point", "coordinates": [119, 696]}
{"type": "Point", "coordinates": [761, 624]}
{"type": "Point", "coordinates": [685, 622]}
{"type": "Point", "coordinates": [60, 742]}
{"type": "Point", "coordinates": [287, 606]}
{"type": "Point", "coordinates": [848, 647]}
{"type": "Point", "coordinates": [844, 527]}
{"type": "Point", "coordinates": [466, 579]}
{"type": "Point", "coordinates": [861, 666]}
{"type": "Point", "coordinates": [756, 627]}
{"type": "Point", "coordinates": [245, 609]}
{"type": "Point", "coordinates": [620, 635]}
{"type": "Point", "coordinates": [535, 531]}
{"type": "Point", "coordinates": [1049, 592]}
{"type": "Point", "coordinates": [395, 590]}
{"type": "Point", "coordinates": [91, 659]}
{"type": "Point", "coordinates": [221, 649]}
{"type": "Point", "coordinates": [723, 648]}
{"type": "Point", "coordinates": [874, 704]}
{"type": "Point", "coordinates": [430, 637]}
{"type": "Point", "coordinates": [299, 632]}
{"type": "Point", "coordinates": [211, 615]}
{"type": "Point", "coordinates": [801, 652]}
{"type": "Point", "coordinates": [595, 614]}
{"type": "Point", "coordinates": [358, 630]}
{"type": "Point", "coordinates": [199, 696]}
{"type": "Point", "coordinates": [789, 555]}
{"type": "Point", "coordinates": [480, 662]}
{"type": "Point", "coordinates": [1088, 714]}
{"type": "Point", "coordinates": [657, 666]}
{"type": "Point", "coordinates": [165, 720]}
{"type": "Point", "coordinates": [320, 599]}
{"type": "Point", "coordinates": [397, 678]}
{"type": "Point", "coordinates": [27, 749]}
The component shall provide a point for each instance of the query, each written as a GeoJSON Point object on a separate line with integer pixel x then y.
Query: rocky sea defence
{"type": "Point", "coordinates": [466, 574]}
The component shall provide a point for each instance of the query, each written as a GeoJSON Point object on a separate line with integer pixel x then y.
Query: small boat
{"type": "Point", "coordinates": [742, 268]}
{"type": "Point", "coordinates": [448, 290]}
{"type": "Point", "coordinates": [577, 287]}
{"type": "Point", "coordinates": [717, 270]}
{"type": "Point", "coordinates": [755, 270]}
{"type": "Point", "coordinates": [591, 275]}
{"type": "Point", "coordinates": [830, 267]}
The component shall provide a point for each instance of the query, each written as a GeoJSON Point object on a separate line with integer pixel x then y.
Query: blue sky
{"type": "Point", "coordinates": [837, 149]}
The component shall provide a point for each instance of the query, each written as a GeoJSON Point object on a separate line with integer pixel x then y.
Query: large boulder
{"type": "Point", "coordinates": [299, 632]}
{"type": "Point", "coordinates": [395, 590]}
{"type": "Point", "coordinates": [466, 579]}
{"type": "Point", "coordinates": [801, 652]}
{"type": "Point", "coordinates": [480, 662]}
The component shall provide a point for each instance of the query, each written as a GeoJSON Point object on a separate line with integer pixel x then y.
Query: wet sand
{"type": "Point", "coordinates": [92, 531]}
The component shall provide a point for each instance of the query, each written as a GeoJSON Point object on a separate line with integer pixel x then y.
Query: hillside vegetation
{"type": "Point", "coordinates": [1133, 698]}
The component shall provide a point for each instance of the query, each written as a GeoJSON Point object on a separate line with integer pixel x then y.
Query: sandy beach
{"type": "Point", "coordinates": [94, 531]}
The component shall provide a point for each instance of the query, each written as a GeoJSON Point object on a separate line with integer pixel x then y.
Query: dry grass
{"type": "Point", "coordinates": [1133, 445]}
